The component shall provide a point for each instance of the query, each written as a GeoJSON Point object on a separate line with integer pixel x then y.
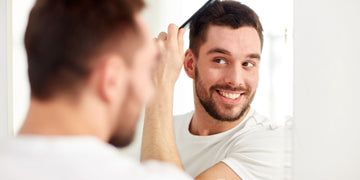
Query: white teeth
{"type": "Point", "coordinates": [229, 95]}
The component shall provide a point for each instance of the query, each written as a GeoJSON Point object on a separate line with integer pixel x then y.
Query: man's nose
{"type": "Point", "coordinates": [235, 75]}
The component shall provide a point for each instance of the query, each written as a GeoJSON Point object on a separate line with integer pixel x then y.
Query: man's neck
{"type": "Point", "coordinates": [61, 116]}
{"type": "Point", "coordinates": [203, 124]}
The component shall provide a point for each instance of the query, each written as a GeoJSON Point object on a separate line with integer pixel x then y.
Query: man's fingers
{"type": "Point", "coordinates": [161, 46]}
{"type": "Point", "coordinates": [174, 39]}
{"type": "Point", "coordinates": [162, 36]}
{"type": "Point", "coordinates": [173, 34]}
{"type": "Point", "coordinates": [181, 40]}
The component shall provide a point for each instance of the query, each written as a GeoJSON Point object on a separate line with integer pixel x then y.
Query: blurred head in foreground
{"type": "Point", "coordinates": [91, 60]}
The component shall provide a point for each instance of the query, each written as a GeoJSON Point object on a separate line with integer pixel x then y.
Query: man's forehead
{"type": "Point", "coordinates": [245, 39]}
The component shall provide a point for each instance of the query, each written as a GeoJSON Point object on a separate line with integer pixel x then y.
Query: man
{"type": "Point", "coordinates": [90, 65]}
{"type": "Point", "coordinates": [224, 138]}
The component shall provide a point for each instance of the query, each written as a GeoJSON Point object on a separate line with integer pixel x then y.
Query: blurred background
{"type": "Point", "coordinates": [309, 77]}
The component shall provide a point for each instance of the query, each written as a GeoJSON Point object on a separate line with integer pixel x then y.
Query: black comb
{"type": "Point", "coordinates": [197, 12]}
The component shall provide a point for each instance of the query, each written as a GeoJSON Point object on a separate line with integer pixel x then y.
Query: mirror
{"type": "Point", "coordinates": [274, 97]}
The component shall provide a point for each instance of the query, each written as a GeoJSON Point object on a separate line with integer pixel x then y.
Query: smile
{"type": "Point", "coordinates": [229, 95]}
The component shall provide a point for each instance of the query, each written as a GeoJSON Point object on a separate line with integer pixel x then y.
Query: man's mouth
{"type": "Point", "coordinates": [229, 95]}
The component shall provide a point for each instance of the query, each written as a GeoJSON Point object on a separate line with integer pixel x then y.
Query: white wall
{"type": "Point", "coordinates": [5, 71]}
{"type": "Point", "coordinates": [21, 87]}
{"type": "Point", "coordinates": [327, 86]}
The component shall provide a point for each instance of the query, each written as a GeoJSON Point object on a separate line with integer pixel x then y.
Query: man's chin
{"type": "Point", "coordinates": [121, 141]}
{"type": "Point", "coordinates": [228, 118]}
{"type": "Point", "coordinates": [228, 114]}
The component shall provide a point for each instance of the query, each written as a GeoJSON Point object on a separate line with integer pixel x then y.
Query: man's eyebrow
{"type": "Point", "coordinates": [254, 56]}
{"type": "Point", "coordinates": [226, 52]}
{"type": "Point", "coordinates": [219, 50]}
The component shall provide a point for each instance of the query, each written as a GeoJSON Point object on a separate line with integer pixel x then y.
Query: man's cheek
{"type": "Point", "coordinates": [142, 85]}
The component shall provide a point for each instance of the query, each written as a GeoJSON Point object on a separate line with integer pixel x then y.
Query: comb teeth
{"type": "Point", "coordinates": [198, 11]}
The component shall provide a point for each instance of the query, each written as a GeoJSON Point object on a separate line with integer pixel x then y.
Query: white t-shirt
{"type": "Point", "coordinates": [74, 158]}
{"type": "Point", "coordinates": [254, 149]}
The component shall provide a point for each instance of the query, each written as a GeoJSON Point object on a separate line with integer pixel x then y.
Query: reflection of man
{"type": "Point", "coordinates": [224, 138]}
{"type": "Point", "coordinates": [89, 69]}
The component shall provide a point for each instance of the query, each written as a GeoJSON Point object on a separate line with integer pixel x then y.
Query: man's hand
{"type": "Point", "coordinates": [158, 140]}
{"type": "Point", "coordinates": [171, 46]}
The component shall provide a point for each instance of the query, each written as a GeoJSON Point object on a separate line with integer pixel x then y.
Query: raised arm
{"type": "Point", "coordinates": [158, 140]}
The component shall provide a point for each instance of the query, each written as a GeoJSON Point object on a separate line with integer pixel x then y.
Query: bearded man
{"type": "Point", "coordinates": [223, 138]}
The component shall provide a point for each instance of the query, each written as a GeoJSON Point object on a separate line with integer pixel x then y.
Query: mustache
{"type": "Point", "coordinates": [246, 90]}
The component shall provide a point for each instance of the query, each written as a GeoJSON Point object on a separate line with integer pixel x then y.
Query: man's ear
{"type": "Point", "coordinates": [189, 63]}
{"type": "Point", "coordinates": [111, 78]}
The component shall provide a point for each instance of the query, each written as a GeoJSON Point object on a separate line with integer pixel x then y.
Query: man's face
{"type": "Point", "coordinates": [226, 71]}
{"type": "Point", "coordinates": [140, 87]}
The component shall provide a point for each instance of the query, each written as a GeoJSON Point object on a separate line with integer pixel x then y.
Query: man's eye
{"type": "Point", "coordinates": [220, 61]}
{"type": "Point", "coordinates": [248, 64]}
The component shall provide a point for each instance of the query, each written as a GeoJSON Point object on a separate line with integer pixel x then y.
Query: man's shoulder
{"type": "Point", "coordinates": [255, 120]}
{"type": "Point", "coordinates": [182, 120]}
{"type": "Point", "coordinates": [261, 141]}
{"type": "Point", "coordinates": [82, 161]}
{"type": "Point", "coordinates": [256, 130]}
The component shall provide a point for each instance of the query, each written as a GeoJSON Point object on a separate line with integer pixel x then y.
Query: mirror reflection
{"type": "Point", "coordinates": [235, 78]}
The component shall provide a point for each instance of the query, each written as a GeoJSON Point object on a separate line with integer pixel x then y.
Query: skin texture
{"type": "Point", "coordinates": [228, 62]}
{"type": "Point", "coordinates": [113, 94]}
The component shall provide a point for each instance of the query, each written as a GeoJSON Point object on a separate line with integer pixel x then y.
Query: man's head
{"type": "Point", "coordinates": [91, 47]}
{"type": "Point", "coordinates": [223, 58]}
{"type": "Point", "coordinates": [222, 13]}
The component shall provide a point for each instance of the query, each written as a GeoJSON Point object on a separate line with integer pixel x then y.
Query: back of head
{"type": "Point", "coordinates": [222, 13]}
{"type": "Point", "coordinates": [63, 36]}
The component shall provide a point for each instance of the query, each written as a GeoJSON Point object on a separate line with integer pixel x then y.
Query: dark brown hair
{"type": "Point", "coordinates": [222, 13]}
{"type": "Point", "coordinates": [62, 36]}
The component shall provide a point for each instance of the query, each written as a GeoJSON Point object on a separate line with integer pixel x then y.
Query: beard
{"type": "Point", "coordinates": [215, 109]}
{"type": "Point", "coordinates": [127, 119]}
{"type": "Point", "coordinates": [122, 140]}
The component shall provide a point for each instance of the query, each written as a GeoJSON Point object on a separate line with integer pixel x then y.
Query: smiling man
{"type": "Point", "coordinates": [224, 138]}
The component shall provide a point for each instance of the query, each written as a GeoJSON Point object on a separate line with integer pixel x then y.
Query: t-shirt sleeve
{"type": "Point", "coordinates": [258, 155]}
{"type": "Point", "coordinates": [159, 170]}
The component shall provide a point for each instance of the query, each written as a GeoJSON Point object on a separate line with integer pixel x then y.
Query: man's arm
{"type": "Point", "coordinates": [158, 141]}
{"type": "Point", "coordinates": [219, 171]}
{"type": "Point", "coordinates": [158, 134]}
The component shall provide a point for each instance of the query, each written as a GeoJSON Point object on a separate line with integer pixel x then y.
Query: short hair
{"type": "Point", "coordinates": [62, 37]}
{"type": "Point", "coordinates": [222, 13]}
